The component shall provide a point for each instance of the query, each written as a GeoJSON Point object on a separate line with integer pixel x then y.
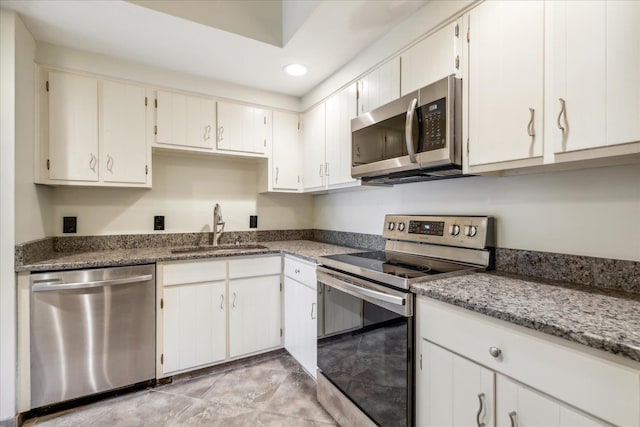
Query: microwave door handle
{"type": "Point", "coordinates": [408, 130]}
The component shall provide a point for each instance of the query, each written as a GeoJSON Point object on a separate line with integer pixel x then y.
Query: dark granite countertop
{"type": "Point", "coordinates": [603, 319]}
{"type": "Point", "coordinates": [305, 249]}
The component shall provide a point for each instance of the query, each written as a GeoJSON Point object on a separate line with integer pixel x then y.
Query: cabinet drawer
{"type": "Point", "coordinates": [255, 266]}
{"type": "Point", "coordinates": [180, 273]}
{"type": "Point", "coordinates": [594, 384]}
{"type": "Point", "coordinates": [301, 271]}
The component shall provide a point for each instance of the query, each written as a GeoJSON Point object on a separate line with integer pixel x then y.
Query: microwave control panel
{"type": "Point", "coordinates": [434, 125]}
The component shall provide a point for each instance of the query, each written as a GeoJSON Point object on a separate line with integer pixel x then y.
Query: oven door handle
{"type": "Point", "coordinates": [400, 304]}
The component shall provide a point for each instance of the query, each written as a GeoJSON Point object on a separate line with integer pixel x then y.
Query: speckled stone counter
{"type": "Point", "coordinates": [117, 257]}
{"type": "Point", "coordinates": [601, 319]}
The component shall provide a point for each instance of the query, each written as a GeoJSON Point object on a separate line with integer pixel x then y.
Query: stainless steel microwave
{"type": "Point", "coordinates": [414, 138]}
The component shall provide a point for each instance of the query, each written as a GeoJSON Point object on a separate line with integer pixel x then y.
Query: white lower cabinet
{"type": "Point", "coordinates": [195, 325]}
{"type": "Point", "coordinates": [301, 313]}
{"type": "Point", "coordinates": [452, 391]}
{"type": "Point", "coordinates": [539, 380]}
{"type": "Point", "coordinates": [209, 311]}
{"type": "Point", "coordinates": [254, 315]}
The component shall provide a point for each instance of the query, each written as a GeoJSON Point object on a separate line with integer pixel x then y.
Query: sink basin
{"type": "Point", "coordinates": [211, 248]}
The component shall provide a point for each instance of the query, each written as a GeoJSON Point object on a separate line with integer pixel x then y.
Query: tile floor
{"type": "Point", "coordinates": [266, 391]}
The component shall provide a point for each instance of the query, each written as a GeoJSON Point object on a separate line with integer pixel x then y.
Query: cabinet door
{"type": "Point", "coordinates": [451, 390]}
{"type": "Point", "coordinates": [623, 69]}
{"type": "Point", "coordinates": [340, 109]}
{"type": "Point", "coordinates": [342, 312]}
{"type": "Point", "coordinates": [73, 127]}
{"type": "Point", "coordinates": [380, 86]}
{"type": "Point", "coordinates": [313, 134]}
{"type": "Point", "coordinates": [286, 162]}
{"type": "Point", "coordinates": [194, 324]}
{"type": "Point", "coordinates": [262, 131]}
{"type": "Point", "coordinates": [300, 315]}
{"type": "Point", "coordinates": [523, 407]}
{"type": "Point", "coordinates": [243, 128]}
{"type": "Point", "coordinates": [185, 120]}
{"type": "Point", "coordinates": [254, 315]}
{"type": "Point", "coordinates": [123, 154]}
{"type": "Point", "coordinates": [579, 44]}
{"type": "Point", "coordinates": [506, 57]}
{"type": "Point", "coordinates": [432, 59]}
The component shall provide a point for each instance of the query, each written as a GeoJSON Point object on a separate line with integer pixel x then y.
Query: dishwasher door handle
{"type": "Point", "coordinates": [47, 287]}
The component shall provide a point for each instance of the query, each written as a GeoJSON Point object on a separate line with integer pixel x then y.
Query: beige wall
{"type": "Point", "coordinates": [593, 212]}
{"type": "Point", "coordinates": [185, 189]}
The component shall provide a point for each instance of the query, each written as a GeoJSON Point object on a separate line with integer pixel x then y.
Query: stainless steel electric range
{"type": "Point", "coordinates": [366, 348]}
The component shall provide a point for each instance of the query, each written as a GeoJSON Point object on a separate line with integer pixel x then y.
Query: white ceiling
{"type": "Point", "coordinates": [323, 35]}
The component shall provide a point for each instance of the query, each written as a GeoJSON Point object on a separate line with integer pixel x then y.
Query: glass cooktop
{"type": "Point", "coordinates": [392, 268]}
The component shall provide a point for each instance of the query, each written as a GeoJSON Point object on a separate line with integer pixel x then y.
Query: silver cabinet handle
{"type": "Point", "coordinates": [495, 352]}
{"type": "Point", "coordinates": [297, 271]}
{"type": "Point", "coordinates": [207, 132]}
{"type": "Point", "coordinates": [109, 163]}
{"type": "Point", "coordinates": [481, 401]}
{"type": "Point", "coordinates": [233, 304]}
{"type": "Point", "coordinates": [408, 130]}
{"type": "Point", "coordinates": [513, 418]}
{"type": "Point", "coordinates": [313, 310]}
{"type": "Point", "coordinates": [220, 133]}
{"type": "Point", "coordinates": [563, 112]}
{"type": "Point", "coordinates": [48, 287]}
{"type": "Point", "coordinates": [221, 302]}
{"type": "Point", "coordinates": [277, 174]}
{"type": "Point", "coordinates": [531, 126]}
{"type": "Point", "coordinates": [92, 162]}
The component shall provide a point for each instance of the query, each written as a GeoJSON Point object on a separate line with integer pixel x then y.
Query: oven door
{"type": "Point", "coordinates": [366, 351]}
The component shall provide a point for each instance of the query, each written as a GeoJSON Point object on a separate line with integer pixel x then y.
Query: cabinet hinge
{"type": "Point", "coordinates": [357, 90]}
{"type": "Point", "coordinates": [280, 331]}
{"type": "Point", "coordinates": [468, 36]}
{"type": "Point", "coordinates": [156, 103]}
{"type": "Point", "coordinates": [298, 125]}
{"type": "Point", "coordinates": [46, 85]}
{"type": "Point", "coordinates": [155, 130]}
{"type": "Point", "coordinates": [457, 30]}
{"type": "Point", "coordinates": [280, 286]}
{"type": "Point", "coordinates": [145, 101]}
{"type": "Point", "coordinates": [421, 361]}
{"type": "Point", "coordinates": [265, 142]}
{"type": "Point", "coordinates": [467, 147]}
{"type": "Point", "coordinates": [146, 169]}
{"type": "Point", "coordinates": [161, 303]}
{"type": "Point", "coordinates": [298, 179]}
{"type": "Point", "coordinates": [48, 164]}
{"type": "Point", "coordinates": [457, 62]}
{"type": "Point", "coordinates": [162, 359]}
{"type": "Point", "coordinates": [265, 120]}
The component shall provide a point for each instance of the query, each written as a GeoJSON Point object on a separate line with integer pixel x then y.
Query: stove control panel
{"type": "Point", "coordinates": [462, 231]}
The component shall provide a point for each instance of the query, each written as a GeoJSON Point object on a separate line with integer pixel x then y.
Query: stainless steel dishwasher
{"type": "Point", "coordinates": [91, 331]}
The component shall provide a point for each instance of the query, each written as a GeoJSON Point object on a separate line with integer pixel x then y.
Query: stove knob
{"type": "Point", "coordinates": [401, 226]}
{"type": "Point", "coordinates": [470, 230]}
{"type": "Point", "coordinates": [391, 226]}
{"type": "Point", "coordinates": [454, 230]}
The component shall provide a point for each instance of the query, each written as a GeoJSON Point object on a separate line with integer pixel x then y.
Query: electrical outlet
{"type": "Point", "coordinates": [158, 222]}
{"type": "Point", "coordinates": [253, 221]}
{"type": "Point", "coordinates": [69, 224]}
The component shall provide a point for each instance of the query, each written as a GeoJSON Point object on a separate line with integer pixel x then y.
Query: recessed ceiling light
{"type": "Point", "coordinates": [296, 70]}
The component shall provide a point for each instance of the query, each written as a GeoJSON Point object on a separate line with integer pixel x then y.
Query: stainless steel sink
{"type": "Point", "coordinates": [211, 248]}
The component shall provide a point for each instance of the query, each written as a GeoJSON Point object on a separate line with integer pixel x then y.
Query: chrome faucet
{"type": "Point", "coordinates": [217, 221]}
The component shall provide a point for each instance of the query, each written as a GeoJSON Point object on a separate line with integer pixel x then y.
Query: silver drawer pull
{"type": "Point", "coordinates": [481, 401]}
{"type": "Point", "coordinates": [495, 352]}
{"type": "Point", "coordinates": [221, 302]}
{"type": "Point", "coordinates": [297, 271]}
{"type": "Point", "coordinates": [513, 418]}
{"type": "Point", "coordinates": [531, 130]}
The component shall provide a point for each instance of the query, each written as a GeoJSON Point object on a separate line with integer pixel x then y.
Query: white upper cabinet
{"type": "Point", "coordinates": [505, 81]}
{"type": "Point", "coordinates": [595, 68]}
{"type": "Point", "coordinates": [286, 151]}
{"type": "Point", "coordinates": [92, 132]}
{"type": "Point", "coordinates": [123, 151]}
{"type": "Point", "coordinates": [73, 127]}
{"type": "Point", "coordinates": [313, 137]}
{"type": "Point", "coordinates": [433, 58]}
{"type": "Point", "coordinates": [340, 108]}
{"type": "Point", "coordinates": [185, 120]}
{"type": "Point", "coordinates": [243, 128]}
{"type": "Point", "coordinates": [380, 86]}
{"type": "Point", "coordinates": [623, 71]}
